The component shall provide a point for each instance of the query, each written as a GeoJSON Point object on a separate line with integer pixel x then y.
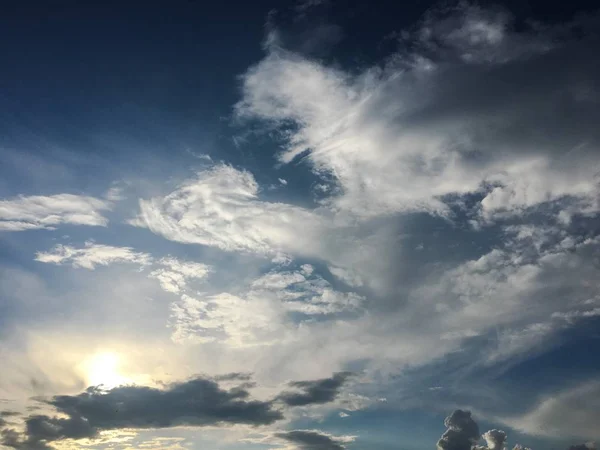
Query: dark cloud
{"type": "Point", "coordinates": [315, 391]}
{"type": "Point", "coordinates": [197, 402]}
{"type": "Point", "coordinates": [11, 438]}
{"type": "Point", "coordinates": [462, 432]}
{"type": "Point", "coordinates": [234, 376]}
{"type": "Point", "coordinates": [311, 440]}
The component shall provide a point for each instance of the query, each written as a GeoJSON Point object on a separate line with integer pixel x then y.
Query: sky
{"type": "Point", "coordinates": [299, 225]}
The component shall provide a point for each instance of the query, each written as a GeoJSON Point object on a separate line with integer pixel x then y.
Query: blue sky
{"type": "Point", "coordinates": [309, 225]}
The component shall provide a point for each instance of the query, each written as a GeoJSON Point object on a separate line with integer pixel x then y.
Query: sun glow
{"type": "Point", "coordinates": [103, 369]}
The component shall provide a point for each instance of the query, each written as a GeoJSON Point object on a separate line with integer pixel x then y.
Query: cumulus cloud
{"type": "Point", "coordinates": [462, 432]}
{"type": "Point", "coordinates": [47, 212]}
{"type": "Point", "coordinates": [197, 402]}
{"type": "Point", "coordinates": [494, 439]}
{"type": "Point", "coordinates": [314, 440]}
{"type": "Point", "coordinates": [315, 391]}
{"type": "Point", "coordinates": [467, 109]}
{"type": "Point", "coordinates": [92, 255]}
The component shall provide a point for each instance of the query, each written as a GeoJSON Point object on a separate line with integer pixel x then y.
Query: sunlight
{"type": "Point", "coordinates": [103, 369]}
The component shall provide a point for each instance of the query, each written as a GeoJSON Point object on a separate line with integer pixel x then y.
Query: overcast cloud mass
{"type": "Point", "coordinates": [303, 225]}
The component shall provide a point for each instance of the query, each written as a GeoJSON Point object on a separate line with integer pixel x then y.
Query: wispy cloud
{"type": "Point", "coordinates": [570, 413]}
{"type": "Point", "coordinates": [48, 212]}
{"type": "Point", "coordinates": [221, 208]}
{"type": "Point", "coordinates": [92, 255]}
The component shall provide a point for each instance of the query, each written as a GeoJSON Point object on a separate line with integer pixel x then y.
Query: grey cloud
{"type": "Point", "coordinates": [586, 446]}
{"type": "Point", "coordinates": [5, 414]}
{"type": "Point", "coordinates": [197, 402]}
{"type": "Point", "coordinates": [462, 432]}
{"type": "Point", "coordinates": [234, 376]}
{"type": "Point", "coordinates": [311, 440]}
{"type": "Point", "coordinates": [315, 391]}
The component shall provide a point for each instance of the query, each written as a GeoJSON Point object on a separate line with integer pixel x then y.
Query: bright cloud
{"type": "Point", "coordinates": [92, 255]}
{"type": "Point", "coordinates": [260, 316]}
{"type": "Point", "coordinates": [48, 212]}
{"type": "Point", "coordinates": [455, 115]}
{"type": "Point", "coordinates": [175, 273]}
{"type": "Point", "coordinates": [221, 208]}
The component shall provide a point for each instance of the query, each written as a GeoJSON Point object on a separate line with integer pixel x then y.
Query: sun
{"type": "Point", "coordinates": [103, 369]}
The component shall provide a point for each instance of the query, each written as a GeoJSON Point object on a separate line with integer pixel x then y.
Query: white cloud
{"type": "Point", "coordinates": [447, 118]}
{"type": "Point", "coordinates": [47, 212]}
{"type": "Point", "coordinates": [240, 322]}
{"type": "Point", "coordinates": [570, 413]}
{"type": "Point", "coordinates": [175, 273]}
{"type": "Point", "coordinates": [92, 255]}
{"type": "Point", "coordinates": [261, 314]}
{"type": "Point", "coordinates": [347, 276]}
{"type": "Point", "coordinates": [221, 208]}
{"type": "Point", "coordinates": [172, 274]}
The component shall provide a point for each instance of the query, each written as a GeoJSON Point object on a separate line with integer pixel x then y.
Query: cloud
{"type": "Point", "coordinates": [92, 255]}
{"type": "Point", "coordinates": [171, 273]}
{"type": "Point", "coordinates": [314, 440]}
{"type": "Point", "coordinates": [197, 402]}
{"type": "Point", "coordinates": [176, 273]}
{"type": "Point", "coordinates": [469, 109]}
{"type": "Point", "coordinates": [462, 432]}
{"type": "Point", "coordinates": [261, 315]}
{"type": "Point", "coordinates": [47, 212]}
{"type": "Point", "coordinates": [316, 391]}
{"type": "Point", "coordinates": [570, 413]}
{"type": "Point", "coordinates": [586, 446]}
{"type": "Point", "coordinates": [494, 439]}
{"type": "Point", "coordinates": [306, 292]}
{"type": "Point", "coordinates": [221, 208]}
{"type": "Point", "coordinates": [347, 276]}
{"type": "Point", "coordinates": [7, 414]}
{"type": "Point", "coordinates": [513, 292]}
